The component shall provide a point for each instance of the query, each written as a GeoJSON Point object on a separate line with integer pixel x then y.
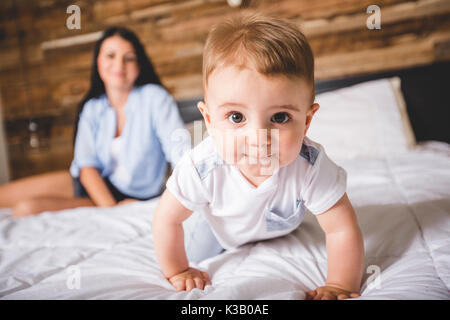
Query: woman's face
{"type": "Point", "coordinates": [117, 63]}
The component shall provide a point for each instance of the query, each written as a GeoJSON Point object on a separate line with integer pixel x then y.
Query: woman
{"type": "Point", "coordinates": [123, 137]}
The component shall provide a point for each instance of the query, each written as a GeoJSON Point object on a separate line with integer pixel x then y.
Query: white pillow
{"type": "Point", "coordinates": [367, 120]}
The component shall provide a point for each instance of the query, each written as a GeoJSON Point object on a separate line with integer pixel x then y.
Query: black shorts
{"type": "Point", "coordinates": [80, 191]}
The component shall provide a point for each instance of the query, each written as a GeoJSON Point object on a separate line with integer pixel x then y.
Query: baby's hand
{"type": "Point", "coordinates": [190, 279]}
{"type": "Point", "coordinates": [330, 293]}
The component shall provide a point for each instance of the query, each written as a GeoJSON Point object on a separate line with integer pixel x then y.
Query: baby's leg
{"type": "Point", "coordinates": [200, 242]}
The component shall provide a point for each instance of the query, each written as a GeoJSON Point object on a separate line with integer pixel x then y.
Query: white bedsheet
{"type": "Point", "coordinates": [403, 208]}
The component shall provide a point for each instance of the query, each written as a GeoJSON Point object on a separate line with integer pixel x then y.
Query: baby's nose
{"type": "Point", "coordinates": [259, 138]}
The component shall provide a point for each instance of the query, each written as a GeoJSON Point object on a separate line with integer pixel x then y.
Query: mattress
{"type": "Point", "coordinates": [402, 204]}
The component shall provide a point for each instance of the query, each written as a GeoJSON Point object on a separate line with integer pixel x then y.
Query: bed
{"type": "Point", "coordinates": [398, 183]}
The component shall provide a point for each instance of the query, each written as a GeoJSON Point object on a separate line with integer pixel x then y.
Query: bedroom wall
{"type": "Point", "coordinates": [44, 65]}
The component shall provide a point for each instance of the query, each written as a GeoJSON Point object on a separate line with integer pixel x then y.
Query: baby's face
{"type": "Point", "coordinates": [258, 122]}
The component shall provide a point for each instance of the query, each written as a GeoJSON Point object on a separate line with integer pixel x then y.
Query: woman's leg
{"type": "Point", "coordinates": [37, 205]}
{"type": "Point", "coordinates": [44, 192]}
{"type": "Point", "coordinates": [54, 184]}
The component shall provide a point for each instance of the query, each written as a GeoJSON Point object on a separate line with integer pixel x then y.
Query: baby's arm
{"type": "Point", "coordinates": [169, 244]}
{"type": "Point", "coordinates": [345, 251]}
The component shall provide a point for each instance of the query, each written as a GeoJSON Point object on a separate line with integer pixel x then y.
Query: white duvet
{"type": "Point", "coordinates": [403, 208]}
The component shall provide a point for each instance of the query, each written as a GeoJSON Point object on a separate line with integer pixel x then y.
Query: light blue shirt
{"type": "Point", "coordinates": [153, 134]}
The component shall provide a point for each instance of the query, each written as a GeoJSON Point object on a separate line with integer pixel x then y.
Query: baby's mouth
{"type": "Point", "coordinates": [261, 160]}
{"type": "Point", "coordinates": [257, 157]}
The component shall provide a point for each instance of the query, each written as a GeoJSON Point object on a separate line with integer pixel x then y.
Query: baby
{"type": "Point", "coordinates": [256, 173]}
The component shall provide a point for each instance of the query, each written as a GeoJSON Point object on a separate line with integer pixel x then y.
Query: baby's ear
{"type": "Point", "coordinates": [309, 115]}
{"type": "Point", "coordinates": [204, 111]}
{"type": "Point", "coordinates": [313, 108]}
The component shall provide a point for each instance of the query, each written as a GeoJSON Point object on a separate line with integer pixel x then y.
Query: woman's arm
{"type": "Point", "coordinates": [96, 188]}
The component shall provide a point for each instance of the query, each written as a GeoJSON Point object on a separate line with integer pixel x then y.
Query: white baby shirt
{"type": "Point", "coordinates": [239, 212]}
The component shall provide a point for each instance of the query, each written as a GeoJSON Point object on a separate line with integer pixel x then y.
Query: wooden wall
{"type": "Point", "coordinates": [45, 67]}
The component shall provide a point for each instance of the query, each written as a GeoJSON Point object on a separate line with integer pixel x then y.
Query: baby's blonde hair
{"type": "Point", "coordinates": [269, 45]}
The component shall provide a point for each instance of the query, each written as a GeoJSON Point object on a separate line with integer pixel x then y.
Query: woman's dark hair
{"type": "Point", "coordinates": [147, 73]}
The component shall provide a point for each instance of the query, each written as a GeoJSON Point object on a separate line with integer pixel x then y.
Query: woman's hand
{"type": "Point", "coordinates": [126, 201]}
{"type": "Point", "coordinates": [190, 279]}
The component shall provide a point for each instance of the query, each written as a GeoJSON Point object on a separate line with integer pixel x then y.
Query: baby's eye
{"type": "Point", "coordinates": [280, 117]}
{"type": "Point", "coordinates": [236, 117]}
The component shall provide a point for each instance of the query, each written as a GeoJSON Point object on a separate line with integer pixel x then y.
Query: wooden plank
{"type": "Point", "coordinates": [27, 161]}
{"type": "Point", "coordinates": [184, 87]}
{"type": "Point", "coordinates": [397, 33]}
{"type": "Point", "coordinates": [324, 9]}
{"type": "Point", "coordinates": [165, 9]}
{"type": "Point", "coordinates": [419, 52]}
{"type": "Point", "coordinates": [389, 15]}
{"type": "Point", "coordinates": [71, 41]}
